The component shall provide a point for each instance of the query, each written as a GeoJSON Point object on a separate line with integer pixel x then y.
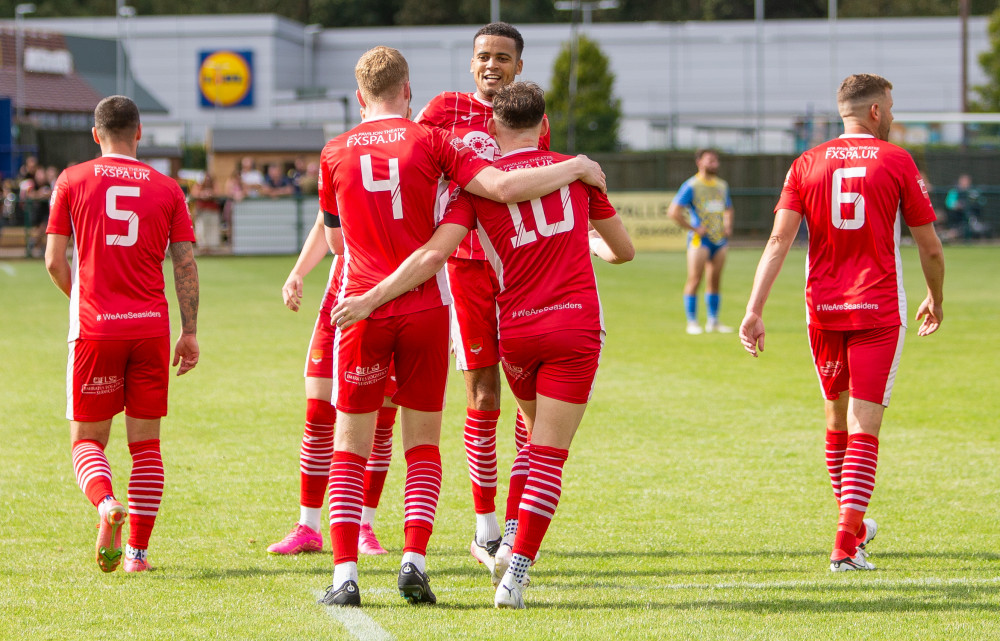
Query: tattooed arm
{"type": "Point", "coordinates": [186, 286]}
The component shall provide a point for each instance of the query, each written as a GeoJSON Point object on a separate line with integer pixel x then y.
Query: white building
{"type": "Point", "coordinates": [729, 84]}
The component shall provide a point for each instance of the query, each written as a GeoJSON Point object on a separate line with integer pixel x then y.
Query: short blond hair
{"type": "Point", "coordinates": [380, 73]}
{"type": "Point", "coordinates": [858, 89]}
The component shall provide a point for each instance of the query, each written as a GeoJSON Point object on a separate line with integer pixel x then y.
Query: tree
{"type": "Point", "coordinates": [596, 111]}
{"type": "Point", "coordinates": [990, 62]}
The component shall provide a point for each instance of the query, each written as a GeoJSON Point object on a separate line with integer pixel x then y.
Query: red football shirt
{"type": "Point", "coordinates": [383, 178]}
{"type": "Point", "coordinates": [122, 215]}
{"type": "Point", "coordinates": [464, 115]}
{"type": "Point", "coordinates": [852, 191]}
{"type": "Point", "coordinates": [540, 251]}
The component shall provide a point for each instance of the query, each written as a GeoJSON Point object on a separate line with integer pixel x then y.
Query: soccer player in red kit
{"type": "Point", "coordinates": [496, 60]}
{"type": "Point", "coordinates": [551, 326]}
{"type": "Point", "coordinates": [381, 181]}
{"type": "Point", "coordinates": [853, 192]}
{"type": "Point", "coordinates": [316, 450]}
{"type": "Point", "coordinates": [122, 216]}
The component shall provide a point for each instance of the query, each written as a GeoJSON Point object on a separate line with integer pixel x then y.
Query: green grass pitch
{"type": "Point", "coordinates": [696, 503]}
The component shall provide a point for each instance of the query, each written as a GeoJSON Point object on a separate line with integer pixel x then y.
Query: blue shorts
{"type": "Point", "coordinates": [694, 240]}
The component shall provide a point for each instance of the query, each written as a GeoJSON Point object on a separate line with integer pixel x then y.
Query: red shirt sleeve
{"type": "Point", "coordinates": [461, 210]}
{"type": "Point", "coordinates": [431, 114]}
{"type": "Point", "coordinates": [915, 201]}
{"type": "Point", "coordinates": [600, 206]}
{"type": "Point", "coordinates": [457, 161]}
{"type": "Point", "coordinates": [181, 227]}
{"type": "Point", "coordinates": [59, 216]}
{"type": "Point", "coordinates": [327, 196]}
{"type": "Point", "coordinates": [790, 198]}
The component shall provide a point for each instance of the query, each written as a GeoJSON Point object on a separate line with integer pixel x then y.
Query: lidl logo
{"type": "Point", "coordinates": [225, 78]}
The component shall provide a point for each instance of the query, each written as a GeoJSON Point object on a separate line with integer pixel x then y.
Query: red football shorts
{"type": "Point", "coordinates": [415, 344]}
{"type": "Point", "coordinates": [474, 288]}
{"type": "Point", "coordinates": [862, 361]}
{"type": "Point", "coordinates": [560, 365]}
{"type": "Point", "coordinates": [104, 377]}
{"type": "Point", "coordinates": [319, 360]}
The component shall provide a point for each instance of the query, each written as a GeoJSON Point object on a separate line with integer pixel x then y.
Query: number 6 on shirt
{"type": "Point", "coordinates": [848, 197]}
{"type": "Point", "coordinates": [390, 185]}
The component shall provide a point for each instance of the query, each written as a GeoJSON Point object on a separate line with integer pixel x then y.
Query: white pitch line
{"type": "Point", "coordinates": [361, 626]}
{"type": "Point", "coordinates": [8, 269]}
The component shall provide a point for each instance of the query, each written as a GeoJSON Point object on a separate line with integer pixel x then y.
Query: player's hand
{"type": "Point", "coordinates": [932, 315]}
{"type": "Point", "coordinates": [291, 292]}
{"type": "Point", "coordinates": [752, 333]}
{"type": "Point", "coordinates": [592, 174]}
{"type": "Point", "coordinates": [186, 353]}
{"type": "Point", "coordinates": [351, 310]}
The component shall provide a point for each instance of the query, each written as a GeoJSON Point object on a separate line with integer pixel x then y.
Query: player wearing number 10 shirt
{"type": "Point", "coordinates": [854, 193]}
{"type": "Point", "coordinates": [122, 216]}
{"type": "Point", "coordinates": [380, 184]}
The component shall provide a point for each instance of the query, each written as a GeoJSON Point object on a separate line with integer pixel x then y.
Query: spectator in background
{"type": "Point", "coordinates": [251, 177]}
{"type": "Point", "coordinates": [206, 210]}
{"type": "Point", "coordinates": [961, 204]}
{"type": "Point", "coordinates": [277, 183]}
{"type": "Point", "coordinates": [309, 182]}
{"type": "Point", "coordinates": [235, 189]}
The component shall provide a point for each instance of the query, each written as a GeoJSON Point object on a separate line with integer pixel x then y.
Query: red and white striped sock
{"type": "Point", "coordinates": [316, 452]}
{"type": "Point", "coordinates": [518, 475]}
{"type": "Point", "coordinates": [481, 454]}
{"type": "Point", "coordinates": [378, 462]}
{"type": "Point", "coordinates": [857, 485]}
{"type": "Point", "coordinates": [93, 472]}
{"type": "Point", "coordinates": [145, 490]}
{"type": "Point", "coordinates": [520, 431]}
{"type": "Point", "coordinates": [540, 498]}
{"type": "Point", "coordinates": [420, 497]}
{"type": "Point", "coordinates": [836, 445]}
{"type": "Point", "coordinates": [347, 483]}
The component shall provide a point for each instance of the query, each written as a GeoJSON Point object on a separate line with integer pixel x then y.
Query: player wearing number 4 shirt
{"type": "Point", "coordinates": [380, 183]}
{"type": "Point", "coordinates": [854, 192]}
{"type": "Point", "coordinates": [496, 61]}
{"type": "Point", "coordinates": [122, 216]}
{"type": "Point", "coordinates": [551, 330]}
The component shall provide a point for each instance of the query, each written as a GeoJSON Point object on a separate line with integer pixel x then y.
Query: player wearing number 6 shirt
{"type": "Point", "coordinates": [122, 216]}
{"type": "Point", "coordinates": [496, 61]}
{"type": "Point", "coordinates": [854, 192]}
{"type": "Point", "coordinates": [551, 328]}
{"type": "Point", "coordinates": [380, 182]}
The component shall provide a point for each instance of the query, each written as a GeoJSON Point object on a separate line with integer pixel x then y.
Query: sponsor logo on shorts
{"type": "Point", "coordinates": [103, 385]}
{"type": "Point", "coordinates": [316, 356]}
{"type": "Point", "coordinates": [128, 316]}
{"type": "Point", "coordinates": [367, 375]}
{"type": "Point", "coordinates": [474, 345]}
{"type": "Point", "coordinates": [515, 372]}
{"type": "Point", "coordinates": [831, 369]}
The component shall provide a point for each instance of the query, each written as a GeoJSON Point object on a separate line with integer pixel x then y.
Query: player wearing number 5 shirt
{"type": "Point", "coordinates": [854, 193]}
{"type": "Point", "coordinates": [551, 330]}
{"type": "Point", "coordinates": [122, 216]}
{"type": "Point", "coordinates": [380, 183]}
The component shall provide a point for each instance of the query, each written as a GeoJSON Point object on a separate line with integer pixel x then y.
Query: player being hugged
{"type": "Point", "coordinates": [122, 215]}
{"type": "Point", "coordinates": [551, 327]}
{"type": "Point", "coordinates": [380, 184]}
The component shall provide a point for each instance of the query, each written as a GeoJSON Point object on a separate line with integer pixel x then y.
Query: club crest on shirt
{"type": "Point", "coordinates": [481, 143]}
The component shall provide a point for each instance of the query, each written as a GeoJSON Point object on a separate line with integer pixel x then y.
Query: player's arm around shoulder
{"type": "Point", "coordinates": [186, 351]}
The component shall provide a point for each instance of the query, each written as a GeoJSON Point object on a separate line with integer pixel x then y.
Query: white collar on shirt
{"type": "Point", "coordinates": [121, 156]}
{"type": "Point", "coordinates": [856, 136]}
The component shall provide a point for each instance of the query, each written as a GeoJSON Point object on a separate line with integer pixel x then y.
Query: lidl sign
{"type": "Point", "coordinates": [225, 78]}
